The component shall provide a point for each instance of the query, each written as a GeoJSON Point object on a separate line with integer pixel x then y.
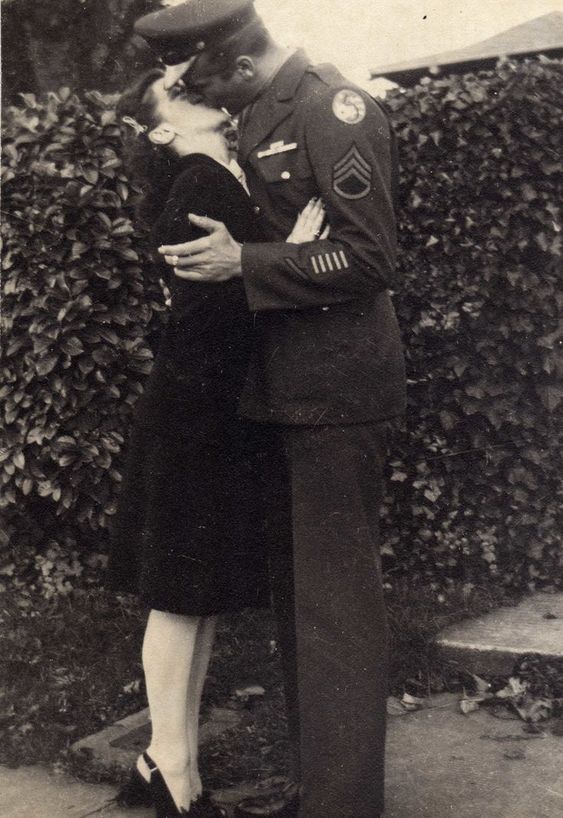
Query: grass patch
{"type": "Point", "coordinates": [71, 665]}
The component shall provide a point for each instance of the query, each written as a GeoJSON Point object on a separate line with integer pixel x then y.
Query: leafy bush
{"type": "Point", "coordinates": [475, 477]}
{"type": "Point", "coordinates": [77, 306]}
{"type": "Point", "coordinates": [478, 475]}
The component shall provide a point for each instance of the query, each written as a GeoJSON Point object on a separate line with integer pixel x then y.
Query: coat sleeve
{"type": "Point", "coordinates": [187, 195]}
{"type": "Point", "coordinates": [349, 146]}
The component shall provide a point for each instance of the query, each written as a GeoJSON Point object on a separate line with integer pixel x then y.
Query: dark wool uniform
{"type": "Point", "coordinates": [327, 369]}
{"type": "Point", "coordinates": [328, 348]}
{"type": "Point", "coordinates": [326, 376]}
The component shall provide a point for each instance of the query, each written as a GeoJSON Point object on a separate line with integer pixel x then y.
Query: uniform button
{"type": "Point", "coordinates": [286, 175]}
{"type": "Point", "coordinates": [324, 309]}
{"type": "Point", "coordinates": [256, 209]}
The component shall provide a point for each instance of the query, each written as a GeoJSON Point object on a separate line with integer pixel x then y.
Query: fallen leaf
{"type": "Point", "coordinates": [535, 710]}
{"type": "Point", "coordinates": [481, 684]}
{"type": "Point", "coordinates": [500, 712]}
{"type": "Point", "coordinates": [394, 707]}
{"type": "Point", "coordinates": [516, 754]}
{"type": "Point", "coordinates": [248, 691]}
{"type": "Point", "coordinates": [412, 703]}
{"type": "Point", "coordinates": [514, 688]}
{"type": "Point", "coordinates": [468, 706]}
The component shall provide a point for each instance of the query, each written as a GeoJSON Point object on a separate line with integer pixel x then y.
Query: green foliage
{"type": "Point", "coordinates": [77, 305]}
{"type": "Point", "coordinates": [475, 477]}
{"type": "Point", "coordinates": [478, 474]}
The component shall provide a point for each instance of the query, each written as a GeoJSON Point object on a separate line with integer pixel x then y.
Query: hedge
{"type": "Point", "coordinates": [478, 477]}
{"type": "Point", "coordinates": [475, 483]}
{"type": "Point", "coordinates": [77, 307]}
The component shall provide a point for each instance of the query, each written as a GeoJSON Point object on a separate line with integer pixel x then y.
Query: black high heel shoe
{"type": "Point", "coordinates": [164, 804]}
{"type": "Point", "coordinates": [161, 798]}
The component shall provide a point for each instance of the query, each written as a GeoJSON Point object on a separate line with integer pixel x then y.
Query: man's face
{"type": "Point", "coordinates": [233, 93]}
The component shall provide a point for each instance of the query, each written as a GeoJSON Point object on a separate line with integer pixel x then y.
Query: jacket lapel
{"type": "Point", "coordinates": [273, 105]}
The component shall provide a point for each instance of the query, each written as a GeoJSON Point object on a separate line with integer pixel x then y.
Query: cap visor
{"type": "Point", "coordinates": [175, 72]}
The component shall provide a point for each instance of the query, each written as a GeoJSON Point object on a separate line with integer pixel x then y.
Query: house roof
{"type": "Point", "coordinates": [542, 35]}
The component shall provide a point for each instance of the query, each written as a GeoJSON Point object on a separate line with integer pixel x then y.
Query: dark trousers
{"type": "Point", "coordinates": [326, 578]}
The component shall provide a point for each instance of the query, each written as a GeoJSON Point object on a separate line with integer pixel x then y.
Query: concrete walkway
{"type": "Point", "coordinates": [440, 764]}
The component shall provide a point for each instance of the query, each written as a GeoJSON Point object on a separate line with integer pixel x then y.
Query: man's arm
{"type": "Point", "coordinates": [349, 148]}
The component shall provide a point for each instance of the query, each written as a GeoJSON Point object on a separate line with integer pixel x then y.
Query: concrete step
{"type": "Point", "coordinates": [119, 744]}
{"type": "Point", "coordinates": [493, 643]}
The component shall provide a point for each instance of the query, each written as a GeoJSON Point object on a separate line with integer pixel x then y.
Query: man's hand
{"type": "Point", "coordinates": [214, 258]}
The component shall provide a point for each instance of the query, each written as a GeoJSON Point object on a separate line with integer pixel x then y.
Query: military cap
{"type": "Point", "coordinates": [179, 33]}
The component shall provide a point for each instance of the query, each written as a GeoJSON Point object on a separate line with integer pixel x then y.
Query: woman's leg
{"type": "Point", "coordinates": [202, 654]}
{"type": "Point", "coordinates": [168, 659]}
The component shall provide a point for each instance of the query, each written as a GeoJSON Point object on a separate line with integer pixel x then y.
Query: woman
{"type": "Point", "coordinates": [188, 535]}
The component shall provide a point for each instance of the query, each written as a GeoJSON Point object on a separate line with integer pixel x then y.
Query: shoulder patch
{"type": "Point", "coordinates": [349, 106]}
{"type": "Point", "coordinates": [351, 175]}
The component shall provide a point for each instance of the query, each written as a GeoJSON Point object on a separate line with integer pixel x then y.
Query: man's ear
{"type": "Point", "coordinates": [246, 68]}
{"type": "Point", "coordinates": [163, 134]}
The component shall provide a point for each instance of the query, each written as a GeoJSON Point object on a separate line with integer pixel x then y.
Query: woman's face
{"type": "Point", "coordinates": [186, 118]}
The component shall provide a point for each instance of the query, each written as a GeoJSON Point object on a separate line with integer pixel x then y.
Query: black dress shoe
{"type": "Point", "coordinates": [282, 804]}
{"type": "Point", "coordinates": [161, 796]}
{"type": "Point", "coordinates": [137, 792]}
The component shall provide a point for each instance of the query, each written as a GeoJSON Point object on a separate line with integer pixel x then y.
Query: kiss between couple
{"type": "Point", "coordinates": [255, 463]}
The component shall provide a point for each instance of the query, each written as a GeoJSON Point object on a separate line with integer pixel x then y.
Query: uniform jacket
{"type": "Point", "coordinates": [327, 346]}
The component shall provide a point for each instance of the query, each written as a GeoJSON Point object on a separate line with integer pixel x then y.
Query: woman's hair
{"type": "Point", "coordinates": [152, 168]}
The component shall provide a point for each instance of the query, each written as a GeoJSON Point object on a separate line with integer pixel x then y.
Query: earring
{"type": "Point", "coordinates": [163, 135]}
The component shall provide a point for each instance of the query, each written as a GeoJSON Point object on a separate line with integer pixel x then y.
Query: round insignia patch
{"type": "Point", "coordinates": [348, 106]}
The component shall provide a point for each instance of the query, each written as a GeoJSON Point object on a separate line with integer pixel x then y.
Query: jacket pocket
{"type": "Point", "coordinates": [282, 168]}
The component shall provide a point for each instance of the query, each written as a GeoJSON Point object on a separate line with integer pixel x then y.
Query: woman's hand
{"type": "Point", "coordinates": [308, 225]}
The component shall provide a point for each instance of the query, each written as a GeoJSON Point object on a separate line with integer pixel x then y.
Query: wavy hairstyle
{"type": "Point", "coordinates": [152, 168]}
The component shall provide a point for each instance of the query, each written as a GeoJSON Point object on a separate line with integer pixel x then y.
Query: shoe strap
{"type": "Point", "coordinates": [150, 763]}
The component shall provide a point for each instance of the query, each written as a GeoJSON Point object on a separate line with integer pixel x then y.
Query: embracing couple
{"type": "Point", "coordinates": [255, 466]}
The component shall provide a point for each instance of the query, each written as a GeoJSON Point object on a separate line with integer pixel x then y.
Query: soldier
{"type": "Point", "coordinates": [327, 372]}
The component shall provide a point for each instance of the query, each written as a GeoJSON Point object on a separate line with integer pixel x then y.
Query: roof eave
{"type": "Point", "coordinates": [407, 77]}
